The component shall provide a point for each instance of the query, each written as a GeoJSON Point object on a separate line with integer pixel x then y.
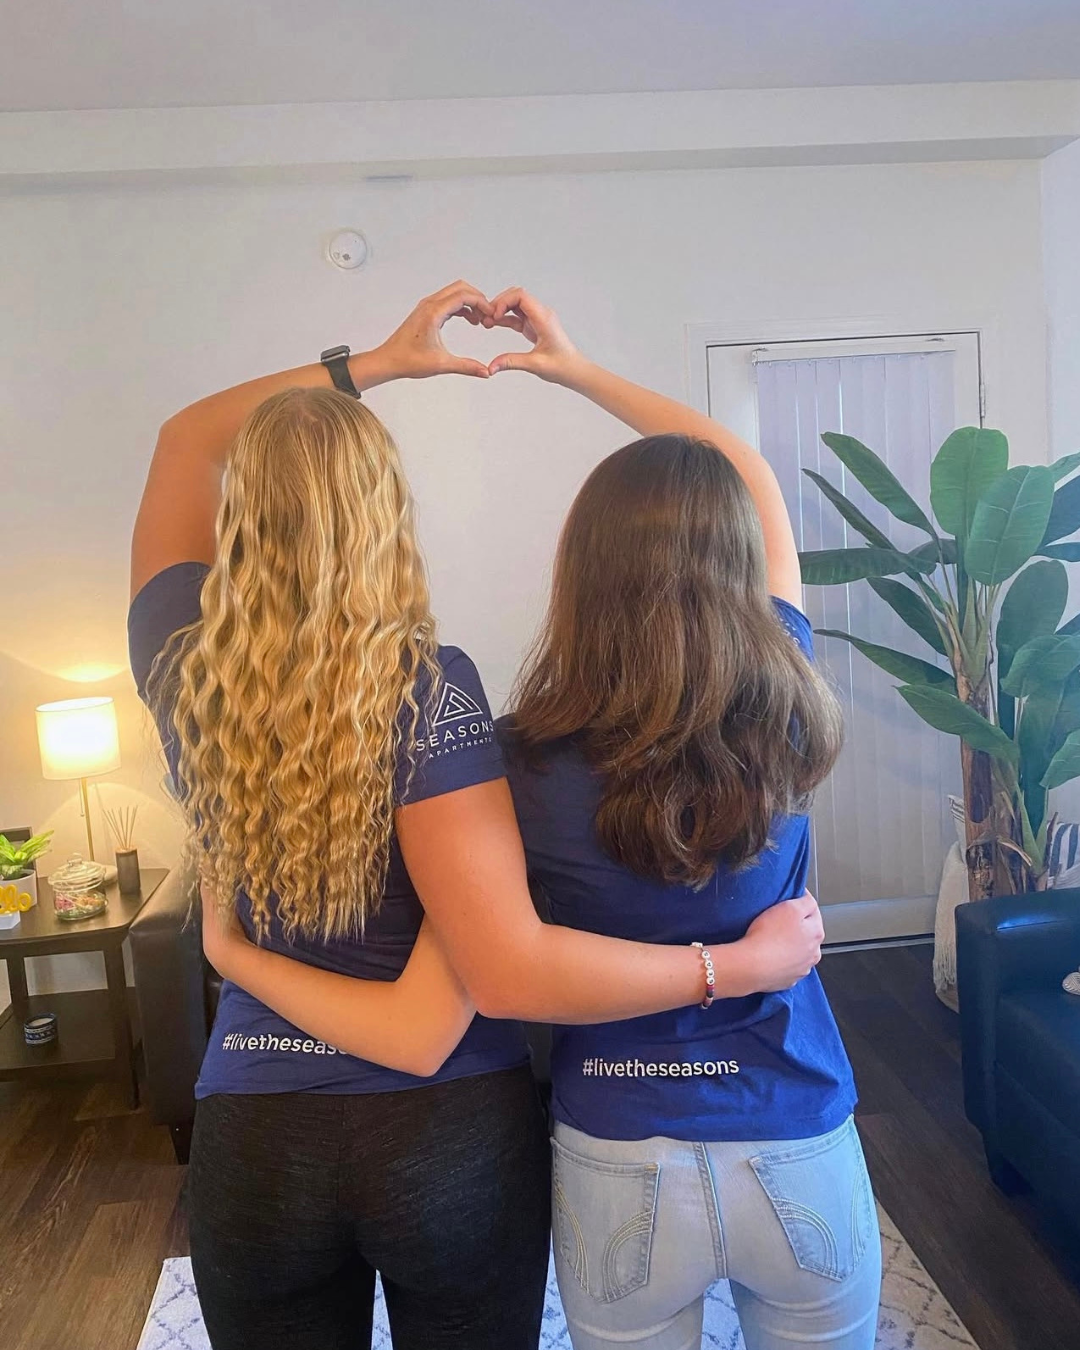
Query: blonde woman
{"type": "Point", "coordinates": [341, 774]}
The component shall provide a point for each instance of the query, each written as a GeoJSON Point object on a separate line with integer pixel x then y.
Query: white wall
{"type": "Point", "coordinates": [1061, 242]}
{"type": "Point", "coordinates": [1061, 212]}
{"type": "Point", "coordinates": [120, 305]}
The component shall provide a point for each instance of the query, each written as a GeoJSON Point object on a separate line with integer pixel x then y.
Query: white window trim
{"type": "Point", "coordinates": [759, 332]}
{"type": "Point", "coordinates": [731, 370]}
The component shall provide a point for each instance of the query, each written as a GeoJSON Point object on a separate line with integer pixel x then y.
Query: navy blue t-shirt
{"type": "Point", "coordinates": [771, 1066]}
{"type": "Point", "coordinates": [251, 1049]}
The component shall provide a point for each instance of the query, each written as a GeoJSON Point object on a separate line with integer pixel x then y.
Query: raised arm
{"type": "Point", "coordinates": [183, 490]}
{"type": "Point", "coordinates": [555, 358]}
{"type": "Point", "coordinates": [411, 1023]}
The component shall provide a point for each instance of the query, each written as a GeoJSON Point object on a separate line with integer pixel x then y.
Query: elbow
{"type": "Point", "coordinates": [418, 1061]}
{"type": "Point", "coordinates": [168, 429]}
{"type": "Point", "coordinates": [423, 1054]}
{"type": "Point", "coordinates": [425, 1065]}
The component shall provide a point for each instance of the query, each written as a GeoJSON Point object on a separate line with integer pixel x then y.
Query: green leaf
{"type": "Point", "coordinates": [1006, 712]}
{"type": "Point", "coordinates": [1049, 715]}
{"type": "Point", "coordinates": [851, 512]}
{"type": "Point", "coordinates": [836, 566]}
{"type": "Point", "coordinates": [877, 478]}
{"type": "Point", "coordinates": [1032, 607]}
{"type": "Point", "coordinates": [1065, 765]}
{"type": "Point", "coordinates": [1061, 468]}
{"type": "Point", "coordinates": [1064, 514]}
{"type": "Point", "coordinates": [1009, 521]}
{"type": "Point", "coordinates": [944, 712]}
{"type": "Point", "coordinates": [937, 553]}
{"type": "Point", "coordinates": [910, 669]}
{"type": "Point", "coordinates": [912, 608]}
{"type": "Point", "coordinates": [1066, 552]}
{"type": "Point", "coordinates": [1068, 629]}
{"type": "Point", "coordinates": [24, 851]}
{"type": "Point", "coordinates": [1042, 661]}
{"type": "Point", "coordinates": [968, 462]}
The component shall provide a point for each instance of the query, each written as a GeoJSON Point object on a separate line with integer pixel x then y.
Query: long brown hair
{"type": "Point", "coordinates": [663, 655]}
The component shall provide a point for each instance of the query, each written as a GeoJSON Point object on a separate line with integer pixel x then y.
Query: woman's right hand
{"type": "Point", "coordinates": [553, 356]}
{"type": "Point", "coordinates": [783, 944]}
{"type": "Point", "coordinates": [415, 349]}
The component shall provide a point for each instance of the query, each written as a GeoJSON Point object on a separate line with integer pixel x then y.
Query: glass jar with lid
{"type": "Point", "coordinates": [78, 889]}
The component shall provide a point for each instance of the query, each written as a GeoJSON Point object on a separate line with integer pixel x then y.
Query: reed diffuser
{"type": "Point", "coordinates": [121, 824]}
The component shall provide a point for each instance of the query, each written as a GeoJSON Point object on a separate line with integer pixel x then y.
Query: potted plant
{"type": "Point", "coordinates": [17, 860]}
{"type": "Point", "coordinates": [986, 597]}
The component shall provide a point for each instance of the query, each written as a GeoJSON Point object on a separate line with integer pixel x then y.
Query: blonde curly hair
{"type": "Point", "coordinates": [294, 695]}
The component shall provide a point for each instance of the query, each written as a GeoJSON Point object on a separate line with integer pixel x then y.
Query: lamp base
{"type": "Point", "coordinates": [86, 816]}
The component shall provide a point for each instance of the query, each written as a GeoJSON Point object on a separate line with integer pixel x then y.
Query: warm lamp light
{"type": "Point", "coordinates": [78, 738]}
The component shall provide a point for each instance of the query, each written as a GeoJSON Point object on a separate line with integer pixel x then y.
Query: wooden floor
{"type": "Point", "coordinates": [90, 1196]}
{"type": "Point", "coordinates": [1008, 1267]}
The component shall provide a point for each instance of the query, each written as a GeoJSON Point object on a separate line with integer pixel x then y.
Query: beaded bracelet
{"type": "Point", "coordinates": [710, 974]}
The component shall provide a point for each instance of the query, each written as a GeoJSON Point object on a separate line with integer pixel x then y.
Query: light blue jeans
{"type": "Point", "coordinates": [643, 1227]}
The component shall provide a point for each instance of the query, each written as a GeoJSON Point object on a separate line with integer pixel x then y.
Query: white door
{"type": "Point", "coordinates": [881, 825]}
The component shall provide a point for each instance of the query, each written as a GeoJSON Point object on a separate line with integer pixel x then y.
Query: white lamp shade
{"type": "Point", "coordinates": [78, 737]}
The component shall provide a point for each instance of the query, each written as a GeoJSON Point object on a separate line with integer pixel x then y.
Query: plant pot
{"type": "Point", "coordinates": [952, 893]}
{"type": "Point", "coordinates": [17, 895]}
{"type": "Point", "coordinates": [27, 883]}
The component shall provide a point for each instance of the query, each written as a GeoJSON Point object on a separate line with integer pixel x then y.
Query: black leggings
{"type": "Point", "coordinates": [296, 1200]}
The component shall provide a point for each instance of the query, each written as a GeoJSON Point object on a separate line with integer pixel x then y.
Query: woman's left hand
{"type": "Point", "coordinates": [415, 350]}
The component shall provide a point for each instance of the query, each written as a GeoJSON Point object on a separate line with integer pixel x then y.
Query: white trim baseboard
{"type": "Point", "coordinates": [879, 920]}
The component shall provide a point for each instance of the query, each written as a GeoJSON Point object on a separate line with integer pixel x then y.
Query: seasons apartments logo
{"type": "Point", "coordinates": [455, 705]}
{"type": "Point", "coordinates": [459, 724]}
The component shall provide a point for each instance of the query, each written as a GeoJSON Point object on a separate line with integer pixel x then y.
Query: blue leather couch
{"type": "Point", "coordinates": [1020, 1039]}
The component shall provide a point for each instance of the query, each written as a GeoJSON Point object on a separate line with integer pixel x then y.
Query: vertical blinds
{"type": "Point", "coordinates": [881, 827]}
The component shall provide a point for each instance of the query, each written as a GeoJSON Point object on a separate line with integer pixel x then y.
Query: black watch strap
{"type": "Point", "coordinates": [336, 361]}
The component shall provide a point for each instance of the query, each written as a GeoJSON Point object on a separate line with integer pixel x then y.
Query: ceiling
{"type": "Point", "coordinates": [71, 54]}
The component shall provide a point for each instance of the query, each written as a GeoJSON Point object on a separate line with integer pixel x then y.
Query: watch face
{"type": "Point", "coordinates": [332, 352]}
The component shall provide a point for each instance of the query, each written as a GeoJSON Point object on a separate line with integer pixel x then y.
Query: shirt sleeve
{"type": "Point", "coordinates": [168, 602]}
{"type": "Point", "coordinates": [454, 745]}
{"type": "Point", "coordinates": [797, 624]}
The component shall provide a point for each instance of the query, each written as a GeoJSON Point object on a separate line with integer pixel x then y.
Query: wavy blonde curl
{"type": "Point", "coordinates": [293, 695]}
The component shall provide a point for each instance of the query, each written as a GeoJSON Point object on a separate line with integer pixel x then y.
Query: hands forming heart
{"type": "Point", "coordinates": [416, 350]}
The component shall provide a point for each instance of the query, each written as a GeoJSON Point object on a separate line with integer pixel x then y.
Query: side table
{"type": "Point", "coordinates": [95, 1036]}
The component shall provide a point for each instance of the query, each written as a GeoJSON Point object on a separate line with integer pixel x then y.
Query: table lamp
{"type": "Point", "coordinates": [78, 738]}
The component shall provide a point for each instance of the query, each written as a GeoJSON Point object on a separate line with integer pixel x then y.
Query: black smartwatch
{"type": "Point", "coordinates": [336, 361]}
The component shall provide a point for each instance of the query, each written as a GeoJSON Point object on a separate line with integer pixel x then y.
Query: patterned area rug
{"type": "Point", "coordinates": [914, 1313]}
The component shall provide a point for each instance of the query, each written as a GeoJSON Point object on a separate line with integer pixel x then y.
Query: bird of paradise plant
{"type": "Point", "coordinates": [987, 593]}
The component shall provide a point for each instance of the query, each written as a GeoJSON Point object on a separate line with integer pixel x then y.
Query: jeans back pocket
{"type": "Point", "coordinates": [820, 1191]}
{"type": "Point", "coordinates": [603, 1216]}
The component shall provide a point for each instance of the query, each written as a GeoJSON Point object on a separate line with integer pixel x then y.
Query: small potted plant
{"type": "Point", "coordinates": [17, 861]}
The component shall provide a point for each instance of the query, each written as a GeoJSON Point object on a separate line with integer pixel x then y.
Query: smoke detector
{"type": "Point", "coordinates": [348, 249]}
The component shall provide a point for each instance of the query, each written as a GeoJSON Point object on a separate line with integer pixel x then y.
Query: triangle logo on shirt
{"type": "Point", "coordinates": [455, 705]}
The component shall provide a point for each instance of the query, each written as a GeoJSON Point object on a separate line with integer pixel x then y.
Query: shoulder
{"type": "Point", "coordinates": [454, 744]}
{"type": "Point", "coordinates": [168, 602]}
{"type": "Point", "coordinates": [796, 623]}
{"type": "Point", "coordinates": [555, 776]}
{"type": "Point", "coordinates": [459, 690]}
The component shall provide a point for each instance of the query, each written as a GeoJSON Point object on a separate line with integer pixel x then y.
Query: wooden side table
{"type": "Point", "coordinates": [95, 1036]}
